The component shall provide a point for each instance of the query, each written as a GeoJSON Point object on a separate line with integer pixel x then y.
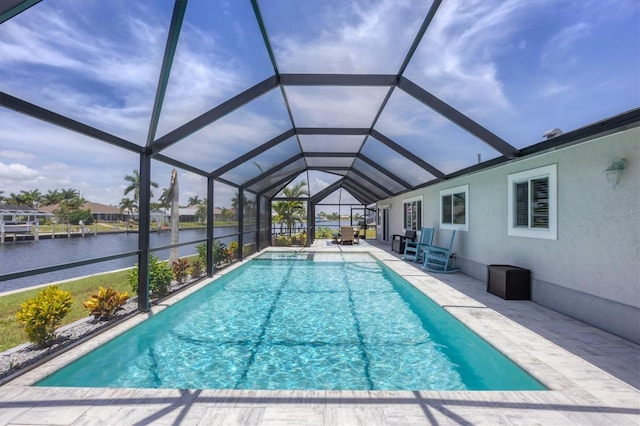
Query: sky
{"type": "Point", "coordinates": [518, 68]}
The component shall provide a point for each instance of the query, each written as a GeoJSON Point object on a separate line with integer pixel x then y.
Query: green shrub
{"type": "Point", "coordinates": [180, 270]}
{"type": "Point", "coordinates": [80, 215]}
{"type": "Point", "coordinates": [324, 232]}
{"type": "Point", "coordinates": [283, 241]}
{"type": "Point", "coordinates": [202, 253]}
{"type": "Point", "coordinates": [299, 239]}
{"type": "Point", "coordinates": [159, 277]}
{"type": "Point", "coordinates": [233, 250]}
{"type": "Point", "coordinates": [105, 302]}
{"type": "Point", "coordinates": [196, 268]}
{"type": "Point", "coordinates": [42, 314]}
{"type": "Point", "coordinates": [220, 252]}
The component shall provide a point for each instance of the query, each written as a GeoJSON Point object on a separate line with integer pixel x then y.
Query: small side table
{"type": "Point", "coordinates": [509, 282]}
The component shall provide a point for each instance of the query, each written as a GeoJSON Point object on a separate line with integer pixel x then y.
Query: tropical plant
{"type": "Point", "coordinates": [299, 239]}
{"type": "Point", "coordinates": [227, 214]}
{"type": "Point", "coordinates": [134, 185]}
{"type": "Point", "coordinates": [164, 200]}
{"type": "Point", "coordinates": [202, 253]}
{"type": "Point", "coordinates": [193, 201]}
{"type": "Point", "coordinates": [128, 205]}
{"type": "Point", "coordinates": [106, 302]}
{"type": "Point", "coordinates": [180, 269]}
{"type": "Point", "coordinates": [51, 197]}
{"type": "Point", "coordinates": [69, 194]}
{"type": "Point", "coordinates": [220, 252]}
{"type": "Point", "coordinates": [323, 232]}
{"type": "Point", "coordinates": [16, 199]}
{"type": "Point", "coordinates": [247, 205]}
{"type": "Point", "coordinates": [159, 277]}
{"type": "Point", "coordinates": [201, 213]}
{"type": "Point", "coordinates": [34, 198]}
{"type": "Point", "coordinates": [196, 268]}
{"type": "Point", "coordinates": [233, 250]}
{"type": "Point", "coordinates": [42, 314]}
{"type": "Point", "coordinates": [31, 198]}
{"type": "Point", "coordinates": [291, 211]}
{"type": "Point", "coordinates": [283, 241]}
{"type": "Point", "coordinates": [70, 211]}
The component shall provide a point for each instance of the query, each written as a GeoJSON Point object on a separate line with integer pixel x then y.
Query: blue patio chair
{"type": "Point", "coordinates": [439, 259]}
{"type": "Point", "coordinates": [413, 249]}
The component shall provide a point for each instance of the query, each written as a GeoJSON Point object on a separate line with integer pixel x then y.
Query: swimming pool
{"type": "Point", "coordinates": [304, 321]}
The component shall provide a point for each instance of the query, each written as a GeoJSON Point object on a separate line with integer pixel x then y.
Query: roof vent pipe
{"type": "Point", "coordinates": [552, 133]}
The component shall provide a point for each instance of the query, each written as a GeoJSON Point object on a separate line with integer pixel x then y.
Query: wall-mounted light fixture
{"type": "Point", "coordinates": [614, 171]}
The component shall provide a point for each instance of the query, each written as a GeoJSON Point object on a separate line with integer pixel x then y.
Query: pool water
{"type": "Point", "coordinates": [306, 322]}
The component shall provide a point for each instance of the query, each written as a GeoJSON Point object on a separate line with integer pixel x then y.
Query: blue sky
{"type": "Point", "coordinates": [518, 68]}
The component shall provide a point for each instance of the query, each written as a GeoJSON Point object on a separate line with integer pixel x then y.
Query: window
{"type": "Point", "coordinates": [412, 209]}
{"type": "Point", "coordinates": [454, 208]}
{"type": "Point", "coordinates": [532, 203]}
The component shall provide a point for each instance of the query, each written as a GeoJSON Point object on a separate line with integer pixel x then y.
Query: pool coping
{"type": "Point", "coordinates": [579, 391]}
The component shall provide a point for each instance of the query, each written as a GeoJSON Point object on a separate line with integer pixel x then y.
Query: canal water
{"type": "Point", "coordinates": [27, 255]}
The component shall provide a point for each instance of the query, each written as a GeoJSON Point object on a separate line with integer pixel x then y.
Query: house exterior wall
{"type": "Point", "coordinates": [592, 271]}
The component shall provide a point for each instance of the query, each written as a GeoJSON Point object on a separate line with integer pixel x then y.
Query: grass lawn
{"type": "Point", "coordinates": [13, 332]}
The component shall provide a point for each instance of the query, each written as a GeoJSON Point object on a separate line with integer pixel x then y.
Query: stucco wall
{"type": "Point", "coordinates": [596, 257]}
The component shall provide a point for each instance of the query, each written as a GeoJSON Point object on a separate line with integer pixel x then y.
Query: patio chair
{"type": "Point", "coordinates": [398, 241]}
{"type": "Point", "coordinates": [439, 259]}
{"type": "Point", "coordinates": [346, 235]}
{"type": "Point", "coordinates": [413, 249]}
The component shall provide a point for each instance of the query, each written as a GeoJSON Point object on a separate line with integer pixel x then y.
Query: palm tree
{"type": "Point", "coordinates": [279, 217]}
{"type": "Point", "coordinates": [248, 205]}
{"type": "Point", "coordinates": [16, 199]}
{"type": "Point", "coordinates": [194, 201]}
{"type": "Point", "coordinates": [128, 205]}
{"type": "Point", "coordinates": [227, 214]}
{"type": "Point", "coordinates": [235, 201]}
{"type": "Point", "coordinates": [51, 197]}
{"type": "Point", "coordinates": [31, 198]}
{"type": "Point", "coordinates": [68, 194]}
{"type": "Point", "coordinates": [164, 200]}
{"type": "Point", "coordinates": [201, 212]}
{"type": "Point", "coordinates": [134, 185]}
{"type": "Point", "coordinates": [293, 211]}
{"type": "Point", "coordinates": [296, 191]}
{"type": "Point", "coordinates": [1, 197]}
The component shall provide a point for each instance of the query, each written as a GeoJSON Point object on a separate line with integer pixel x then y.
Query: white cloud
{"type": "Point", "coordinates": [64, 65]}
{"type": "Point", "coordinates": [335, 106]}
{"type": "Point", "coordinates": [16, 172]}
{"type": "Point", "coordinates": [457, 57]}
{"type": "Point", "coordinates": [351, 37]}
{"type": "Point", "coordinates": [559, 50]}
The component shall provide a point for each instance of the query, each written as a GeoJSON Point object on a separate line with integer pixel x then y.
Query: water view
{"type": "Point", "coordinates": [26, 255]}
{"type": "Point", "coordinates": [22, 256]}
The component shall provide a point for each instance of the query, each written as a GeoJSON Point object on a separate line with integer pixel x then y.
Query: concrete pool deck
{"type": "Point", "coordinates": [593, 377]}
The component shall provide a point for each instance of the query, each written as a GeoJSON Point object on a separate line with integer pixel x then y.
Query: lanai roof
{"type": "Point", "coordinates": [374, 97]}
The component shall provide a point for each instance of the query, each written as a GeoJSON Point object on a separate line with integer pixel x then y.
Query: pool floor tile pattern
{"type": "Point", "coordinates": [593, 376]}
